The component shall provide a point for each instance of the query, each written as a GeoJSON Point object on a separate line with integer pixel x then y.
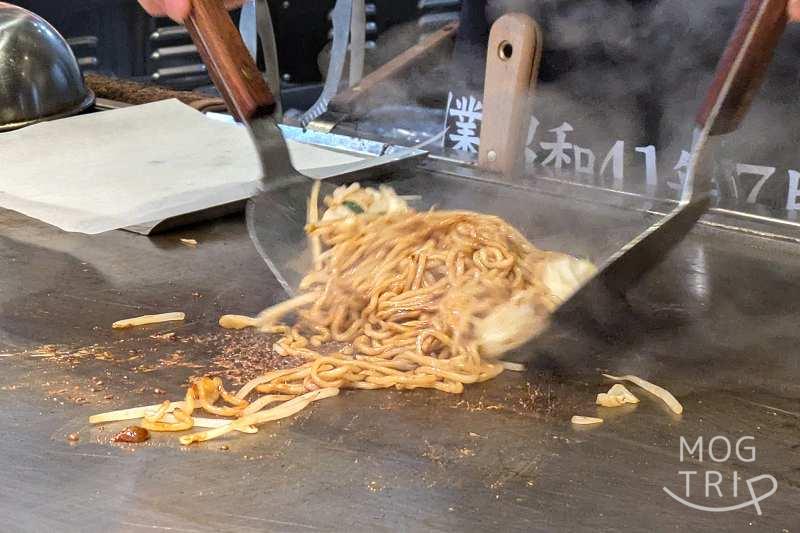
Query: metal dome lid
{"type": "Point", "coordinates": [39, 75]}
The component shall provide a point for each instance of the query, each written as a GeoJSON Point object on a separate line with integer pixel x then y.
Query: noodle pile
{"type": "Point", "coordinates": [396, 298]}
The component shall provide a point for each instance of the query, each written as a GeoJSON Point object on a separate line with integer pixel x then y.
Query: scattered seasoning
{"type": "Point", "coordinates": [133, 434]}
{"type": "Point", "coordinates": [243, 355]}
{"type": "Point", "coordinates": [238, 357]}
{"type": "Point", "coordinates": [73, 437]}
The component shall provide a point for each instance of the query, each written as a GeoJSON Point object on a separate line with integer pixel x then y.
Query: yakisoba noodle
{"type": "Point", "coordinates": [396, 298]}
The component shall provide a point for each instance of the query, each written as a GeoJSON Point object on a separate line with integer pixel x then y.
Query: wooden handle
{"type": "Point", "coordinates": [512, 66]}
{"type": "Point", "coordinates": [229, 64]}
{"type": "Point", "coordinates": [345, 99]}
{"type": "Point", "coordinates": [743, 64]}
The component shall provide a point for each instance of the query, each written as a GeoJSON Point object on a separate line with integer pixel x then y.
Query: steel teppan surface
{"type": "Point", "coordinates": [714, 324]}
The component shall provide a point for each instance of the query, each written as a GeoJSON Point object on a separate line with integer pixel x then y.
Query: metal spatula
{"type": "Point", "coordinates": [275, 216]}
{"type": "Point", "coordinates": [739, 74]}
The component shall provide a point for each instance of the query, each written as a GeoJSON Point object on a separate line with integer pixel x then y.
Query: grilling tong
{"type": "Point", "coordinates": [739, 74]}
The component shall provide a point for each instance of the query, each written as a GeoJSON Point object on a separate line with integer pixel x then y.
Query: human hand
{"type": "Point", "coordinates": [794, 10]}
{"type": "Point", "coordinates": [178, 10]}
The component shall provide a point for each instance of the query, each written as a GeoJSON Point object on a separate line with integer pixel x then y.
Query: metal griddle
{"type": "Point", "coordinates": [715, 324]}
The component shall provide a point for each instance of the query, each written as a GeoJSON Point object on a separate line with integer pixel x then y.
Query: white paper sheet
{"type": "Point", "coordinates": [114, 169]}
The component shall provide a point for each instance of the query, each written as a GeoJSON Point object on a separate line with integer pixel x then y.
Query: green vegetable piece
{"type": "Point", "coordinates": [354, 207]}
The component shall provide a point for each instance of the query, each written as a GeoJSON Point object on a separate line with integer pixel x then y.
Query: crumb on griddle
{"type": "Point", "coordinates": [132, 434]}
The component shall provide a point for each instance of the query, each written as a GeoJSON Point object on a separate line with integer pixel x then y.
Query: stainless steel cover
{"type": "Point", "coordinates": [39, 75]}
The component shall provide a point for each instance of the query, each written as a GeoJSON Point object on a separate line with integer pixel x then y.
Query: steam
{"type": "Point", "coordinates": [638, 71]}
{"type": "Point", "coordinates": [616, 70]}
{"type": "Point", "coordinates": [630, 70]}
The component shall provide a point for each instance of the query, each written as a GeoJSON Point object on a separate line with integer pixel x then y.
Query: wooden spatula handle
{"type": "Point", "coordinates": [229, 64]}
{"type": "Point", "coordinates": [744, 63]}
{"type": "Point", "coordinates": [512, 65]}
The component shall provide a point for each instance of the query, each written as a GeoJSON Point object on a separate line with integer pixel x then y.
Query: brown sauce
{"type": "Point", "coordinates": [132, 434]}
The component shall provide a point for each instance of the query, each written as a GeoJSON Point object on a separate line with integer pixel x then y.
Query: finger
{"type": "Point", "coordinates": [794, 10]}
{"type": "Point", "coordinates": [177, 10]}
{"type": "Point", "coordinates": [154, 8]}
